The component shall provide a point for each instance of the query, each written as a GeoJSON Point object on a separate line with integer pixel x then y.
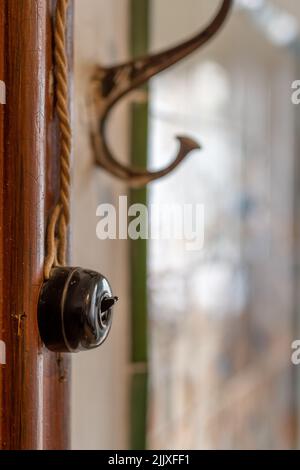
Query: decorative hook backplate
{"type": "Point", "coordinates": [113, 83]}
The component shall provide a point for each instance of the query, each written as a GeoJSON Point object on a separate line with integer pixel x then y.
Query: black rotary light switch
{"type": "Point", "coordinates": [75, 310]}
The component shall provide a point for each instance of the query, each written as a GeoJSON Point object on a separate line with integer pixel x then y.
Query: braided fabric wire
{"type": "Point", "coordinates": [56, 240]}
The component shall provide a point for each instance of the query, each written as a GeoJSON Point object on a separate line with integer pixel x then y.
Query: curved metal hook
{"type": "Point", "coordinates": [115, 82]}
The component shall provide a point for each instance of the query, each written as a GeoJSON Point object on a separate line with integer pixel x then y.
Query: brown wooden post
{"type": "Point", "coordinates": [34, 383]}
{"type": "Point", "coordinates": [2, 359]}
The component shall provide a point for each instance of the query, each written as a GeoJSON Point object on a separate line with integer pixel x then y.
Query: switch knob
{"type": "Point", "coordinates": [75, 310]}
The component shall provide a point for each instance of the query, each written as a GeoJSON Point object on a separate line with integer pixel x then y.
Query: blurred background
{"type": "Point", "coordinates": [200, 352]}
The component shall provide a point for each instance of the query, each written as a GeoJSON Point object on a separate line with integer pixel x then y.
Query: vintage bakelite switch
{"type": "Point", "coordinates": [75, 310]}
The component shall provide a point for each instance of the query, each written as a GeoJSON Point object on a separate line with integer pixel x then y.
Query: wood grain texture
{"type": "Point", "coordinates": [2, 366]}
{"type": "Point", "coordinates": [34, 392]}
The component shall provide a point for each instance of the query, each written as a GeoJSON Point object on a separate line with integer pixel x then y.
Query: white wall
{"type": "Point", "coordinates": [99, 379]}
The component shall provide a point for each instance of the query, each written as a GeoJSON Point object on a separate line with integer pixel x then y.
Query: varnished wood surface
{"type": "Point", "coordinates": [34, 396]}
{"type": "Point", "coordinates": [2, 47]}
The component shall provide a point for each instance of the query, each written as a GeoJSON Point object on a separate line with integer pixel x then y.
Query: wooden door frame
{"type": "Point", "coordinates": [34, 383]}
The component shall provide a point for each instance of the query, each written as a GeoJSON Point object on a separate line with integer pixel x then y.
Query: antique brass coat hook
{"type": "Point", "coordinates": [113, 83]}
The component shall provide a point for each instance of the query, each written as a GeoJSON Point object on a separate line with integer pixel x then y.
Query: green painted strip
{"type": "Point", "coordinates": [138, 248]}
{"type": "Point", "coordinates": [139, 27]}
{"type": "Point", "coordinates": [138, 411]}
